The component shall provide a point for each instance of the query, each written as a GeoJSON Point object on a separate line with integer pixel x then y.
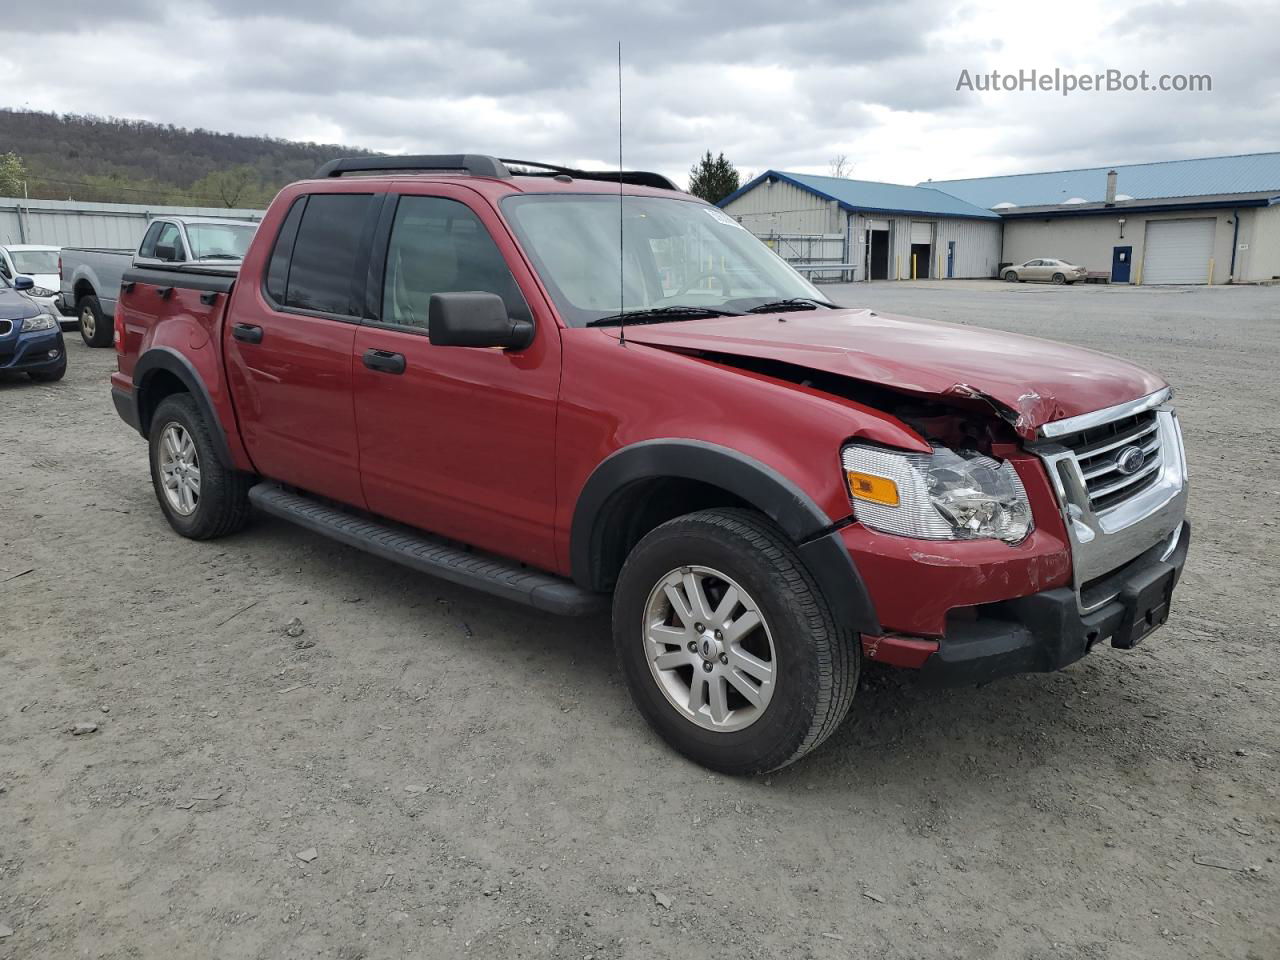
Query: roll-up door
{"type": "Point", "coordinates": [1178, 251]}
{"type": "Point", "coordinates": [921, 232]}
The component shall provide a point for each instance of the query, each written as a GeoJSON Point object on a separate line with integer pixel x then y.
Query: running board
{"type": "Point", "coordinates": [429, 554]}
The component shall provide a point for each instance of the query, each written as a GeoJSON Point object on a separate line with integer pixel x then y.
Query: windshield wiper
{"type": "Point", "coordinates": [660, 315]}
{"type": "Point", "coordinates": [220, 256]}
{"type": "Point", "coordinates": [792, 303]}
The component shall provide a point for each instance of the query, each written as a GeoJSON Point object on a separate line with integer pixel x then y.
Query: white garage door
{"type": "Point", "coordinates": [1178, 251]}
{"type": "Point", "coordinates": [921, 232]}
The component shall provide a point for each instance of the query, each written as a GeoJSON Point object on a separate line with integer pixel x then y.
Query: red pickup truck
{"type": "Point", "coordinates": [559, 385]}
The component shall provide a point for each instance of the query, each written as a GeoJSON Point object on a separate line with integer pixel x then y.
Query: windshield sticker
{"type": "Point", "coordinates": [721, 217]}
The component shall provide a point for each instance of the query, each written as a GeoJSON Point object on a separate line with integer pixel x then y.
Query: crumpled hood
{"type": "Point", "coordinates": [1034, 381]}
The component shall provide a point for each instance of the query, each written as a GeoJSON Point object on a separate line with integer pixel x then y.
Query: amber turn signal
{"type": "Point", "coordinates": [867, 486]}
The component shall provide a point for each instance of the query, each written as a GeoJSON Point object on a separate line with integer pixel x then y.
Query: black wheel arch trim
{"type": "Point", "coordinates": [817, 540]}
{"type": "Point", "coordinates": [170, 361]}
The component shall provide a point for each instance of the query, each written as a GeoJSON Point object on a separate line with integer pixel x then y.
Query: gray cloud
{"type": "Point", "coordinates": [773, 85]}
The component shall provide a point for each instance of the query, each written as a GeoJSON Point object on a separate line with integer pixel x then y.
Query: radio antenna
{"type": "Point", "coordinates": [622, 283]}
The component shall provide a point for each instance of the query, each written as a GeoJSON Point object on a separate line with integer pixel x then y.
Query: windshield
{"type": "Point", "coordinates": [219, 241]}
{"type": "Point", "coordinates": [678, 253]}
{"type": "Point", "coordinates": [30, 262]}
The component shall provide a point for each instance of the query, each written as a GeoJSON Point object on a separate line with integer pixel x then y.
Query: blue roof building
{"type": "Point", "coordinates": [837, 228]}
{"type": "Point", "coordinates": [1208, 220]}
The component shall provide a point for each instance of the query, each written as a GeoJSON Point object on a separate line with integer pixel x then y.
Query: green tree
{"type": "Point", "coordinates": [13, 173]}
{"type": "Point", "coordinates": [713, 178]}
{"type": "Point", "coordinates": [237, 186]}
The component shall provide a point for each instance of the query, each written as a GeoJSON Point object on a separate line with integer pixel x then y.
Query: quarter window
{"type": "Point", "coordinates": [278, 266]}
{"type": "Point", "coordinates": [325, 253]}
{"type": "Point", "coordinates": [440, 246]}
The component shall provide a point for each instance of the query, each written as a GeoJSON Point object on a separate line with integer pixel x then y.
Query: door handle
{"type": "Point", "coordinates": [384, 361]}
{"type": "Point", "coordinates": [247, 333]}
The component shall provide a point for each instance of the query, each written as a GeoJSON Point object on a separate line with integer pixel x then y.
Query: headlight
{"type": "Point", "coordinates": [41, 292]}
{"type": "Point", "coordinates": [41, 321]}
{"type": "Point", "coordinates": [946, 495]}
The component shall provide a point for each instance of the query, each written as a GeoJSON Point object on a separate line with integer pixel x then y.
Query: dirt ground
{"type": "Point", "coordinates": [428, 772]}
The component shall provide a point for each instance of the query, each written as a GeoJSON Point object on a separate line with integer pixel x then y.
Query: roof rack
{"type": "Point", "coordinates": [475, 164]}
{"type": "Point", "coordinates": [638, 178]}
{"type": "Point", "coordinates": [479, 165]}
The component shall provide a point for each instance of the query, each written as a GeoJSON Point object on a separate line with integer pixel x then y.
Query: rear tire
{"type": "Point", "coordinates": [200, 497]}
{"type": "Point", "coordinates": [685, 569]}
{"type": "Point", "coordinates": [95, 331]}
{"type": "Point", "coordinates": [1010, 276]}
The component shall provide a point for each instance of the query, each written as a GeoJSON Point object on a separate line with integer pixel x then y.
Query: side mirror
{"type": "Point", "coordinates": [167, 253]}
{"type": "Point", "coordinates": [23, 283]}
{"type": "Point", "coordinates": [475, 319]}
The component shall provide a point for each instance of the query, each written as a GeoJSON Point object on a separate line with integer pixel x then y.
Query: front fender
{"type": "Point", "coordinates": [773, 494]}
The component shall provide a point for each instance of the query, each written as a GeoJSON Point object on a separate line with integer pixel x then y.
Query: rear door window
{"type": "Point", "coordinates": [321, 274]}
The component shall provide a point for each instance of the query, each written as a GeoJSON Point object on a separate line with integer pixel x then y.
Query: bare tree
{"type": "Point", "coordinates": [839, 166]}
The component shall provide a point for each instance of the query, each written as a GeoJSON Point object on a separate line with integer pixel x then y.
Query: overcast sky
{"type": "Point", "coordinates": [787, 85]}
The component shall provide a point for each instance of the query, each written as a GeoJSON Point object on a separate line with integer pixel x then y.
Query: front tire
{"type": "Point", "coordinates": [200, 497]}
{"type": "Point", "coordinates": [95, 330]}
{"type": "Point", "coordinates": [727, 645]}
{"type": "Point", "coordinates": [1059, 278]}
{"type": "Point", "coordinates": [1010, 276]}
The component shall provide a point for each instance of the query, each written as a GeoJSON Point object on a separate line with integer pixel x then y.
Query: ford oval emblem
{"type": "Point", "coordinates": [1129, 460]}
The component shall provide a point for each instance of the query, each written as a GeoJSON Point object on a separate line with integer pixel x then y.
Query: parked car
{"type": "Point", "coordinates": [1045, 271]}
{"type": "Point", "coordinates": [468, 371]}
{"type": "Point", "coordinates": [40, 263]}
{"type": "Point", "coordinates": [91, 276]}
{"type": "Point", "coordinates": [30, 337]}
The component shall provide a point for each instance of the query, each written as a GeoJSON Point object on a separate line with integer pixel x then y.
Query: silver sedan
{"type": "Point", "coordinates": [1045, 271]}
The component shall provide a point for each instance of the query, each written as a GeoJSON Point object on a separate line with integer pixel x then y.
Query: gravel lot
{"type": "Point", "coordinates": [428, 772]}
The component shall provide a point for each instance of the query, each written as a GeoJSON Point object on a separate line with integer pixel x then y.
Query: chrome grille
{"type": "Point", "coordinates": [1098, 450]}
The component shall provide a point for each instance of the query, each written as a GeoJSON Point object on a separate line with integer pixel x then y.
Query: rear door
{"type": "Point", "coordinates": [289, 345]}
{"type": "Point", "coordinates": [459, 441]}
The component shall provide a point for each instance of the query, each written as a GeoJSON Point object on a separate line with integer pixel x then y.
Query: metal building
{"type": "Point", "coordinates": [833, 228]}
{"type": "Point", "coordinates": [1211, 220]}
{"type": "Point", "coordinates": [77, 223]}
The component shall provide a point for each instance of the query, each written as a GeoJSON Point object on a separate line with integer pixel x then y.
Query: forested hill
{"type": "Point", "coordinates": [132, 161]}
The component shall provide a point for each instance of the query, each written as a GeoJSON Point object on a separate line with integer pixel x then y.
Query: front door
{"type": "Point", "coordinates": [951, 259]}
{"type": "Point", "coordinates": [288, 347]}
{"type": "Point", "coordinates": [459, 441]}
{"type": "Point", "coordinates": [1121, 259]}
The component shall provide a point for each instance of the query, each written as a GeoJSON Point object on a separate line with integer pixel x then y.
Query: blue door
{"type": "Point", "coordinates": [1121, 260]}
{"type": "Point", "coordinates": [951, 259]}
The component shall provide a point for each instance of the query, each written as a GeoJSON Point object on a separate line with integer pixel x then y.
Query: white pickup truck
{"type": "Point", "coordinates": [90, 276]}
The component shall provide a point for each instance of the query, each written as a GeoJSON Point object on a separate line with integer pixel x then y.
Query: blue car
{"type": "Point", "coordinates": [30, 339]}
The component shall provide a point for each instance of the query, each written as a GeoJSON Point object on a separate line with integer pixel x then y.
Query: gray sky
{"type": "Point", "coordinates": [787, 85]}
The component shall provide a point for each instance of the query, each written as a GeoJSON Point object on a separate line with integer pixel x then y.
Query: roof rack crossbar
{"type": "Point", "coordinates": [476, 164]}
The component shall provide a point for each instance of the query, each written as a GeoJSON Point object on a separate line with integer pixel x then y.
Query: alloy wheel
{"type": "Point", "coordinates": [179, 469]}
{"type": "Point", "coordinates": [709, 649]}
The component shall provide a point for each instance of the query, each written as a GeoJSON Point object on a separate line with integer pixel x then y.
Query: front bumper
{"type": "Point", "coordinates": [1046, 631]}
{"type": "Point", "coordinates": [32, 351]}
